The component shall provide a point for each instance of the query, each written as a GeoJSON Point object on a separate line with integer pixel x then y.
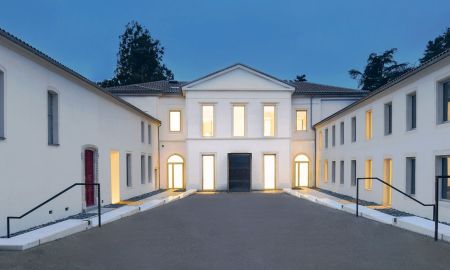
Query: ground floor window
{"type": "Point", "coordinates": [411, 175]}
{"type": "Point", "coordinates": [387, 191]}
{"type": "Point", "coordinates": [149, 169]}
{"type": "Point", "coordinates": [368, 184]}
{"type": "Point", "coordinates": [208, 172]}
{"type": "Point", "coordinates": [301, 171]}
{"type": "Point", "coordinates": [353, 173]}
{"type": "Point", "coordinates": [175, 171]}
{"type": "Point", "coordinates": [128, 164]}
{"type": "Point", "coordinates": [325, 171]}
{"type": "Point", "coordinates": [269, 171]}
{"type": "Point", "coordinates": [445, 184]}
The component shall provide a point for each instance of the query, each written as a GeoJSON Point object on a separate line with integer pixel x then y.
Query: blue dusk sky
{"type": "Point", "coordinates": [323, 39]}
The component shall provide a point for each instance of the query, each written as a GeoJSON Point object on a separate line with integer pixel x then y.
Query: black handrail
{"type": "Point", "coordinates": [435, 208]}
{"type": "Point", "coordinates": [74, 185]}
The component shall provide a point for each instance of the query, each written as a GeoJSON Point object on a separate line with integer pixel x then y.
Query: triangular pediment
{"type": "Point", "coordinates": [238, 77]}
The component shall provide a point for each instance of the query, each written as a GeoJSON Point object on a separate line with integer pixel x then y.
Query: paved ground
{"type": "Point", "coordinates": [238, 231]}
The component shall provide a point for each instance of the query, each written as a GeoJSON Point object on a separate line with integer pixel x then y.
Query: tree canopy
{"type": "Point", "coordinates": [380, 69]}
{"type": "Point", "coordinates": [139, 58]}
{"type": "Point", "coordinates": [300, 78]}
{"type": "Point", "coordinates": [436, 46]}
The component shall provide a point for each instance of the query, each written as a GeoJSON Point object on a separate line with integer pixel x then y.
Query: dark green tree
{"type": "Point", "coordinates": [139, 58]}
{"type": "Point", "coordinates": [436, 46]}
{"type": "Point", "coordinates": [300, 78]}
{"type": "Point", "coordinates": [379, 70]}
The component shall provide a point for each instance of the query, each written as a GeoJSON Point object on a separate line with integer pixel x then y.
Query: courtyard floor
{"type": "Point", "coordinates": [238, 231]}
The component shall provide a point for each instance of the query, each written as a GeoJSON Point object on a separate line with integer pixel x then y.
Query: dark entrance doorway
{"type": "Point", "coordinates": [239, 171]}
{"type": "Point", "coordinates": [89, 177]}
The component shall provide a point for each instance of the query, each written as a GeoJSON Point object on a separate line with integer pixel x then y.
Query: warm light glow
{"type": "Point", "coordinates": [269, 171]}
{"type": "Point", "coordinates": [175, 171]}
{"type": "Point", "coordinates": [369, 130]}
{"type": "Point", "coordinates": [301, 164]}
{"type": "Point", "coordinates": [368, 184]}
{"type": "Point", "coordinates": [115, 176]}
{"type": "Point", "coordinates": [387, 191]}
{"type": "Point", "coordinates": [238, 120]}
{"type": "Point", "coordinates": [320, 139]}
{"type": "Point", "coordinates": [325, 171]}
{"type": "Point", "coordinates": [269, 120]}
{"type": "Point", "coordinates": [175, 121]}
{"type": "Point", "coordinates": [301, 120]}
{"type": "Point", "coordinates": [208, 172]}
{"type": "Point", "coordinates": [207, 120]}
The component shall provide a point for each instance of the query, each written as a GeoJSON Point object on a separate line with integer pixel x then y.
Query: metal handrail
{"type": "Point", "coordinates": [57, 195]}
{"type": "Point", "coordinates": [435, 205]}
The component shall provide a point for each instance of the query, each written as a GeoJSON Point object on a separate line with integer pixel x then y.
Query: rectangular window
{"type": "Point", "coordinates": [207, 120]}
{"type": "Point", "coordinates": [411, 175]}
{"type": "Point", "coordinates": [326, 138]}
{"type": "Point", "coordinates": [388, 118]}
{"type": "Point", "coordinates": [269, 120]}
{"type": "Point", "coordinates": [341, 173]}
{"type": "Point", "coordinates": [411, 111]}
{"type": "Point", "coordinates": [238, 120]}
{"type": "Point", "coordinates": [333, 135]}
{"type": "Point", "coordinates": [368, 184]}
{"type": "Point", "coordinates": [208, 173]}
{"type": "Point", "coordinates": [445, 102]}
{"type": "Point", "coordinates": [142, 132]}
{"type": "Point", "coordinates": [333, 171]}
{"type": "Point", "coordinates": [325, 171]}
{"type": "Point", "coordinates": [445, 183]}
{"type": "Point", "coordinates": [353, 172]}
{"type": "Point", "coordinates": [269, 171]}
{"type": "Point", "coordinates": [354, 129]}
{"type": "Point", "coordinates": [2, 105]}
{"type": "Point", "coordinates": [342, 133]}
{"type": "Point", "coordinates": [52, 113]}
{"type": "Point", "coordinates": [128, 163]}
{"type": "Point", "coordinates": [149, 134]}
{"type": "Point", "coordinates": [369, 131]}
{"type": "Point", "coordinates": [175, 121]}
{"type": "Point", "coordinates": [142, 169]}
{"type": "Point", "coordinates": [320, 139]}
{"type": "Point", "coordinates": [302, 120]}
{"type": "Point", "coordinates": [149, 169]}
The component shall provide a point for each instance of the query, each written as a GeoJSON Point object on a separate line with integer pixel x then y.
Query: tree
{"type": "Point", "coordinates": [300, 78]}
{"type": "Point", "coordinates": [139, 58]}
{"type": "Point", "coordinates": [379, 70]}
{"type": "Point", "coordinates": [436, 46]}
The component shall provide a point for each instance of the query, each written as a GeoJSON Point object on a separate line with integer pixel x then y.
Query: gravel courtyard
{"type": "Point", "coordinates": [238, 231]}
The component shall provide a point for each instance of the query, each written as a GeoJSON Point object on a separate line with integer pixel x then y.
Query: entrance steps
{"type": "Point", "coordinates": [71, 226]}
{"type": "Point", "coordinates": [411, 223]}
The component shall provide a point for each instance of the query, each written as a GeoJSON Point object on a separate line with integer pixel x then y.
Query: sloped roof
{"type": "Point", "coordinates": [27, 47]}
{"type": "Point", "coordinates": [315, 89]}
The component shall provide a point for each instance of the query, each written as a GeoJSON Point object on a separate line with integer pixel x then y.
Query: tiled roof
{"type": "Point", "coordinates": [22, 44]}
{"type": "Point", "coordinates": [159, 88]}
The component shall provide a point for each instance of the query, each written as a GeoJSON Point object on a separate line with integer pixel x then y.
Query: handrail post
{"type": "Point", "coordinates": [7, 226]}
{"type": "Point", "coordinates": [436, 208]}
{"type": "Point", "coordinates": [98, 206]}
{"type": "Point", "coordinates": [357, 195]}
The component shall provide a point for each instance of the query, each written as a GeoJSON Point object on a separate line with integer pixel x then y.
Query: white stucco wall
{"type": "Point", "coordinates": [31, 171]}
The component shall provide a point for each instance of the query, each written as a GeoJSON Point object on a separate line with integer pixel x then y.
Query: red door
{"type": "Point", "coordinates": [89, 176]}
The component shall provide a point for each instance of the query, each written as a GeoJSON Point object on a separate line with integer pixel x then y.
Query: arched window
{"type": "Point", "coordinates": [301, 170]}
{"type": "Point", "coordinates": [175, 172]}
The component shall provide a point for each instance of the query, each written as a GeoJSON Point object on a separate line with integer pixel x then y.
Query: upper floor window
{"type": "Point", "coordinates": [333, 135]}
{"type": "Point", "coordinates": [326, 138]}
{"type": "Point", "coordinates": [320, 139]}
{"type": "Point", "coordinates": [354, 129]}
{"type": "Point", "coordinates": [301, 116]}
{"type": "Point", "coordinates": [388, 118]}
{"type": "Point", "coordinates": [342, 132]}
{"type": "Point", "coordinates": [369, 127]}
{"type": "Point", "coordinates": [238, 120]}
{"type": "Point", "coordinates": [207, 120]}
{"type": "Point", "coordinates": [149, 134]}
{"type": "Point", "coordinates": [142, 132]}
{"type": "Point", "coordinates": [2, 105]}
{"type": "Point", "coordinates": [443, 102]}
{"type": "Point", "coordinates": [175, 121]}
{"type": "Point", "coordinates": [411, 111]}
{"type": "Point", "coordinates": [269, 120]}
{"type": "Point", "coordinates": [52, 117]}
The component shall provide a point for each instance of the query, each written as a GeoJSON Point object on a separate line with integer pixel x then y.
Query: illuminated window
{"type": "Point", "coordinates": [269, 171]}
{"type": "Point", "coordinates": [269, 120]}
{"type": "Point", "coordinates": [207, 120]}
{"type": "Point", "coordinates": [238, 120]}
{"type": "Point", "coordinates": [320, 140]}
{"type": "Point", "coordinates": [301, 165]}
{"type": "Point", "coordinates": [387, 191]}
{"type": "Point", "coordinates": [368, 182]}
{"type": "Point", "coordinates": [208, 172]}
{"type": "Point", "coordinates": [369, 131]}
{"type": "Point", "coordinates": [301, 120]}
{"type": "Point", "coordinates": [175, 121]}
{"type": "Point", "coordinates": [325, 171]}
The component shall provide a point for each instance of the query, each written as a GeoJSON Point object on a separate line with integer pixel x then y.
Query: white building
{"type": "Point", "coordinates": [236, 129]}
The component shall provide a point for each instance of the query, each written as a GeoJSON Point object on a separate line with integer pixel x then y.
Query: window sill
{"type": "Point", "coordinates": [2, 138]}
{"type": "Point", "coordinates": [53, 144]}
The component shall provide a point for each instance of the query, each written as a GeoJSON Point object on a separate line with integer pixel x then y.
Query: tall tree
{"type": "Point", "coordinates": [436, 46]}
{"type": "Point", "coordinates": [139, 58]}
{"type": "Point", "coordinates": [300, 78]}
{"type": "Point", "coordinates": [379, 70]}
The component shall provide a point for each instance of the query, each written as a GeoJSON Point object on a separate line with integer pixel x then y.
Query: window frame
{"type": "Point", "coordinates": [128, 170]}
{"type": "Point", "coordinates": [149, 169]}
{"type": "Point", "coordinates": [353, 172]}
{"type": "Point", "coordinates": [368, 173]}
{"type": "Point", "coordinates": [369, 125]}
{"type": "Point", "coordinates": [203, 170]}
{"type": "Point", "coordinates": [411, 111]}
{"type": "Point", "coordinates": [296, 120]}
{"type": "Point", "coordinates": [143, 172]}
{"type": "Point", "coordinates": [388, 118]}
{"type": "Point", "coordinates": [353, 129]}
{"type": "Point", "coordinates": [244, 106]}
{"type": "Point", "coordinates": [213, 124]}
{"type": "Point", "coordinates": [333, 135]}
{"type": "Point", "coordinates": [149, 134]}
{"type": "Point", "coordinates": [180, 122]}
{"type": "Point", "coordinates": [333, 171]}
{"type": "Point", "coordinates": [411, 176]}
{"type": "Point", "coordinates": [325, 171]}
{"type": "Point", "coordinates": [53, 118]}
{"type": "Point", "coordinates": [326, 138]}
{"type": "Point", "coordinates": [274, 120]}
{"type": "Point", "coordinates": [275, 167]}
{"type": "Point", "coordinates": [342, 133]}
{"type": "Point", "coordinates": [341, 172]}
